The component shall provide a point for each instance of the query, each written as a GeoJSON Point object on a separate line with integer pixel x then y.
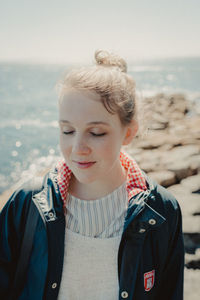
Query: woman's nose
{"type": "Point", "coordinates": [81, 147]}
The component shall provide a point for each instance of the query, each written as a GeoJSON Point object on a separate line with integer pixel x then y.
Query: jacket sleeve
{"type": "Point", "coordinates": [171, 284]}
{"type": "Point", "coordinates": [12, 223]}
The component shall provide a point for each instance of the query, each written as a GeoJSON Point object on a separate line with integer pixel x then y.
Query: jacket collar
{"type": "Point", "coordinates": [141, 194]}
{"type": "Point", "coordinates": [140, 206]}
{"type": "Point", "coordinates": [136, 182]}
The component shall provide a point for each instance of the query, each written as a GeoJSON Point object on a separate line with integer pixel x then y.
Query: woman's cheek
{"type": "Point", "coordinates": [105, 145]}
{"type": "Point", "coordinates": [101, 142]}
{"type": "Point", "coordinates": [63, 144]}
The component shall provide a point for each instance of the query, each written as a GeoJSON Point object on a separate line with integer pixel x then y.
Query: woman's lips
{"type": "Point", "coordinates": [84, 165]}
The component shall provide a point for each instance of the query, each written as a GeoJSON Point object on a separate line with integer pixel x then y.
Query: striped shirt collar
{"type": "Point", "coordinates": [136, 182]}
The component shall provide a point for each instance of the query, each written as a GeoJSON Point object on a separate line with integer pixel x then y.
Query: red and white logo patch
{"type": "Point", "coordinates": [149, 279]}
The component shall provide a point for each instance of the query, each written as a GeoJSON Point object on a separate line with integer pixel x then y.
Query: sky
{"type": "Point", "coordinates": [56, 31]}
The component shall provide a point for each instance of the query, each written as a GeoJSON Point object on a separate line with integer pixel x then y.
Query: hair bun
{"type": "Point", "coordinates": [109, 59]}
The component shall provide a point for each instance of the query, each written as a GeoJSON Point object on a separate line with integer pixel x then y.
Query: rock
{"type": "Point", "coordinates": [153, 143]}
{"type": "Point", "coordinates": [164, 178]}
{"type": "Point", "coordinates": [146, 144]}
{"type": "Point", "coordinates": [178, 191]}
{"type": "Point", "coordinates": [189, 140]}
{"type": "Point", "coordinates": [189, 203]}
{"type": "Point", "coordinates": [133, 150]}
{"type": "Point", "coordinates": [160, 118]}
{"type": "Point", "coordinates": [157, 126]}
{"type": "Point", "coordinates": [195, 163]}
{"type": "Point", "coordinates": [186, 151]}
{"type": "Point", "coordinates": [180, 153]}
{"type": "Point", "coordinates": [192, 261]}
{"type": "Point", "coordinates": [154, 140]}
{"type": "Point", "coordinates": [181, 169]}
{"type": "Point", "coordinates": [191, 224]}
{"type": "Point", "coordinates": [178, 128]}
{"type": "Point", "coordinates": [193, 264]}
{"type": "Point", "coordinates": [166, 147]}
{"type": "Point", "coordinates": [173, 140]}
{"type": "Point", "coordinates": [193, 124]}
{"type": "Point", "coordinates": [192, 242]}
{"type": "Point", "coordinates": [179, 103]}
{"type": "Point", "coordinates": [5, 196]}
{"type": "Point", "coordinates": [174, 146]}
{"type": "Point", "coordinates": [152, 156]}
{"type": "Point", "coordinates": [191, 284]}
{"type": "Point", "coordinates": [148, 166]}
{"type": "Point", "coordinates": [190, 208]}
{"type": "Point", "coordinates": [174, 115]}
{"type": "Point", "coordinates": [192, 257]}
{"type": "Point", "coordinates": [192, 183]}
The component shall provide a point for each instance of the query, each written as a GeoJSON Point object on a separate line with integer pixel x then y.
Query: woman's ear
{"type": "Point", "coordinates": [130, 132]}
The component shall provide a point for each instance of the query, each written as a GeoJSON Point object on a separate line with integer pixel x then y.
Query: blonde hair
{"type": "Point", "coordinates": [109, 80]}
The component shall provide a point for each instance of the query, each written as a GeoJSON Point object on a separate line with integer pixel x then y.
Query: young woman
{"type": "Point", "coordinates": [105, 230]}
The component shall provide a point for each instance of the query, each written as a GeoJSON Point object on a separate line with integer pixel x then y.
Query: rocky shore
{"type": "Point", "coordinates": [170, 153]}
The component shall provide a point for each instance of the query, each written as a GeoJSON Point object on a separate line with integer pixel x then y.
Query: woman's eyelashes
{"type": "Point", "coordinates": [98, 134]}
{"type": "Point", "coordinates": [92, 133]}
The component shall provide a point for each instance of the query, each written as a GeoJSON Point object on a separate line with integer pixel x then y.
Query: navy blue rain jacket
{"type": "Point", "coordinates": [150, 255]}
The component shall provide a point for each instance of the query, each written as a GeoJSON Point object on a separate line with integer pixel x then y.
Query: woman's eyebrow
{"type": "Point", "coordinates": [89, 123]}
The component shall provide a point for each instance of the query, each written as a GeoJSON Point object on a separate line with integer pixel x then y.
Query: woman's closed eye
{"type": "Point", "coordinates": [98, 134]}
{"type": "Point", "coordinates": [68, 132]}
{"type": "Point", "coordinates": [92, 133]}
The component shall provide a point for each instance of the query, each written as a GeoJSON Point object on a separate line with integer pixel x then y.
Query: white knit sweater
{"type": "Point", "coordinates": [90, 269]}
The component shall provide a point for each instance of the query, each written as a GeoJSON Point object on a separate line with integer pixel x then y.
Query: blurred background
{"type": "Point", "coordinates": [41, 40]}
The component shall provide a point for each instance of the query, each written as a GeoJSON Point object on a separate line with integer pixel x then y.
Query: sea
{"type": "Point", "coordinates": [29, 133]}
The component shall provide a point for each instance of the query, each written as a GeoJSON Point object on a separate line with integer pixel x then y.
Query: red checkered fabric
{"type": "Point", "coordinates": [135, 179]}
{"type": "Point", "coordinates": [136, 182]}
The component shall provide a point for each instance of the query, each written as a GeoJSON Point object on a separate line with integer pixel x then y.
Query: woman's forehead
{"type": "Point", "coordinates": [79, 108]}
{"type": "Point", "coordinates": [80, 95]}
{"type": "Point", "coordinates": [81, 103]}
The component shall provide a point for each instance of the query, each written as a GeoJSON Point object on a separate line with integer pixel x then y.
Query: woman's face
{"type": "Point", "coordinates": [90, 138]}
